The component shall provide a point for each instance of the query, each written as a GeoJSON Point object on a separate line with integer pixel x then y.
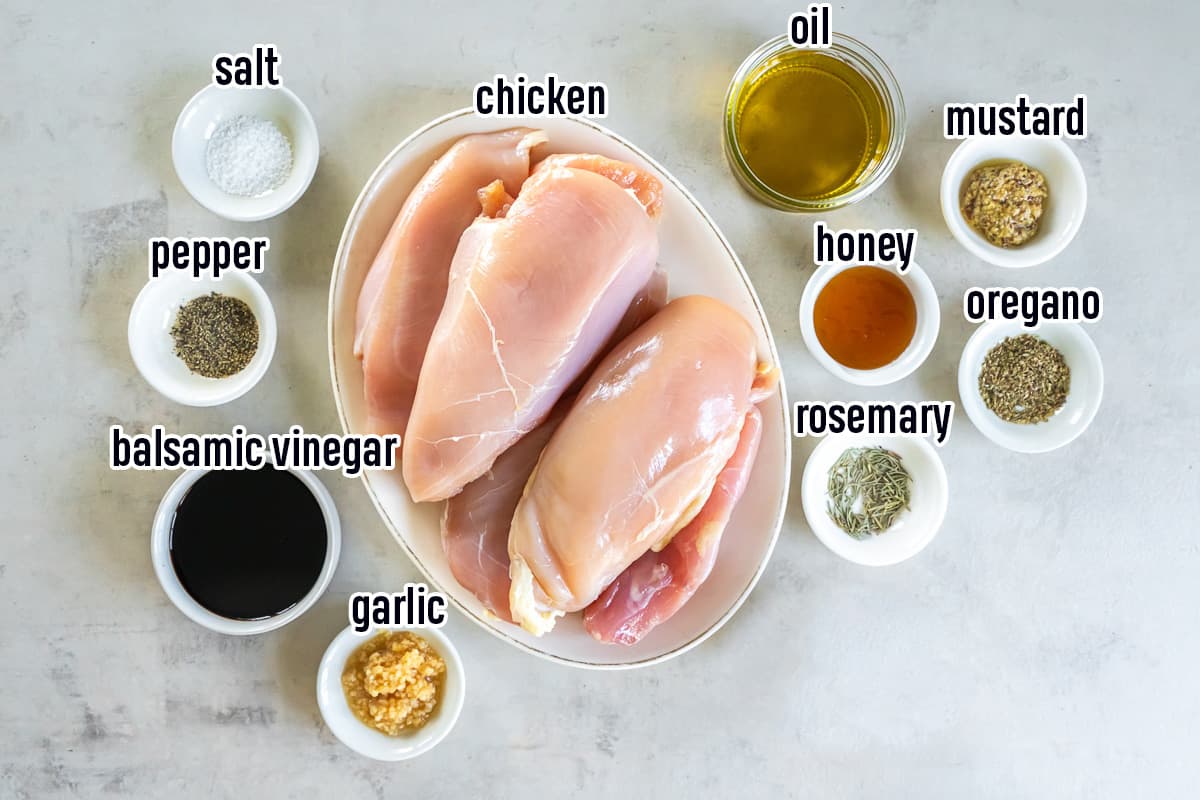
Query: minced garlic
{"type": "Point", "coordinates": [393, 682]}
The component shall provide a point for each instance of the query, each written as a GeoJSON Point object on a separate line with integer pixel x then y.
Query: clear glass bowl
{"type": "Point", "coordinates": [864, 61]}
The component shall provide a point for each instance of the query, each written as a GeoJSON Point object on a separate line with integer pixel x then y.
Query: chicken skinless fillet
{"type": "Point", "coordinates": [658, 584]}
{"type": "Point", "coordinates": [404, 289]}
{"type": "Point", "coordinates": [636, 457]}
{"type": "Point", "coordinates": [533, 297]}
{"type": "Point", "coordinates": [476, 520]}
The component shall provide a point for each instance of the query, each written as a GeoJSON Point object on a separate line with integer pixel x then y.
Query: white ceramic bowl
{"type": "Point", "coordinates": [367, 741]}
{"type": "Point", "coordinates": [208, 109]}
{"type": "Point", "coordinates": [912, 530]}
{"type": "Point", "coordinates": [153, 349]}
{"type": "Point", "coordinates": [698, 260]}
{"type": "Point", "coordinates": [1064, 209]}
{"type": "Point", "coordinates": [1083, 399]}
{"type": "Point", "coordinates": [929, 316]}
{"type": "Point", "coordinates": [160, 555]}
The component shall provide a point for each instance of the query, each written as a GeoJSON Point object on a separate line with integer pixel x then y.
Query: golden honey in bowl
{"type": "Point", "coordinates": [865, 317]}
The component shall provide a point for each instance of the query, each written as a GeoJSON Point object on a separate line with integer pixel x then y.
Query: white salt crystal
{"type": "Point", "coordinates": [248, 156]}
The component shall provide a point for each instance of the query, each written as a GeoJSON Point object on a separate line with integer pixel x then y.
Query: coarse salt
{"type": "Point", "coordinates": [248, 156]}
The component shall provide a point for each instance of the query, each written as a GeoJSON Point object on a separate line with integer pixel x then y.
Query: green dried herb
{"type": "Point", "coordinates": [215, 335]}
{"type": "Point", "coordinates": [1024, 380]}
{"type": "Point", "coordinates": [868, 488]}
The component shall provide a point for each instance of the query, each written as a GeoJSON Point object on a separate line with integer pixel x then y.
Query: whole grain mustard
{"type": "Point", "coordinates": [1004, 202]}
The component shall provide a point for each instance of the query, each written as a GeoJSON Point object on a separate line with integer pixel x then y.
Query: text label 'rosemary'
{"type": "Point", "coordinates": [930, 418]}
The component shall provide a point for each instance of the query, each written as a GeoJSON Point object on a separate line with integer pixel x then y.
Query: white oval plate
{"type": "Point", "coordinates": [698, 260]}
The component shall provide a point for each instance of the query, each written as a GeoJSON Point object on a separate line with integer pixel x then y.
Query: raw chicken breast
{"type": "Point", "coordinates": [476, 520]}
{"type": "Point", "coordinates": [648, 302]}
{"type": "Point", "coordinates": [657, 585]}
{"type": "Point", "coordinates": [636, 457]}
{"type": "Point", "coordinates": [533, 296]}
{"type": "Point", "coordinates": [641, 184]}
{"type": "Point", "coordinates": [405, 288]}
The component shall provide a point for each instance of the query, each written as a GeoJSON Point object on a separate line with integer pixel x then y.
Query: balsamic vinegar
{"type": "Point", "coordinates": [248, 544]}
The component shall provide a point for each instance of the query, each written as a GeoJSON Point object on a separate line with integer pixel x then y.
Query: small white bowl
{"type": "Point", "coordinates": [368, 741]}
{"type": "Point", "coordinates": [153, 348]}
{"type": "Point", "coordinates": [209, 108]}
{"type": "Point", "coordinates": [912, 530]}
{"type": "Point", "coordinates": [929, 318]}
{"type": "Point", "coordinates": [1065, 204]}
{"type": "Point", "coordinates": [1083, 399]}
{"type": "Point", "coordinates": [160, 555]}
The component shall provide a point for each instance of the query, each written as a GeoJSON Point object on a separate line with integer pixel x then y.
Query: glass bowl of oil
{"type": "Point", "coordinates": [813, 130]}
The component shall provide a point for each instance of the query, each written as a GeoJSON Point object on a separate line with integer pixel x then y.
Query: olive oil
{"type": "Point", "coordinates": [809, 125]}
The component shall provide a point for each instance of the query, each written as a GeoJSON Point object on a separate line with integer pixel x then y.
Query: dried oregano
{"type": "Point", "coordinates": [1024, 379]}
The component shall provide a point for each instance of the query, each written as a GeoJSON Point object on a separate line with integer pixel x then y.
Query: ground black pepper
{"type": "Point", "coordinates": [215, 335]}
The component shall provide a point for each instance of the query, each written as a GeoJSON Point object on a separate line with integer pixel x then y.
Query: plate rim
{"type": "Point", "coordinates": [781, 510]}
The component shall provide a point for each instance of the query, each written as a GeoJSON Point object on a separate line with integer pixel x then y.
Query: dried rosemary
{"type": "Point", "coordinates": [868, 488]}
{"type": "Point", "coordinates": [1024, 379]}
{"type": "Point", "coordinates": [215, 335]}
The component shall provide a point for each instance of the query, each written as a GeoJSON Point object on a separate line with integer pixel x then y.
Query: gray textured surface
{"type": "Point", "coordinates": [1044, 646]}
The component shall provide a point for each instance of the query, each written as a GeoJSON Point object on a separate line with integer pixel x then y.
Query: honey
{"type": "Point", "coordinates": [865, 317]}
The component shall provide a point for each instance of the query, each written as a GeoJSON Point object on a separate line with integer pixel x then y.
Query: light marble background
{"type": "Point", "coordinates": [1045, 645]}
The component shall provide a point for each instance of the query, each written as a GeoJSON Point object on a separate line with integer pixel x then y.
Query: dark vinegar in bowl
{"type": "Point", "coordinates": [248, 544]}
